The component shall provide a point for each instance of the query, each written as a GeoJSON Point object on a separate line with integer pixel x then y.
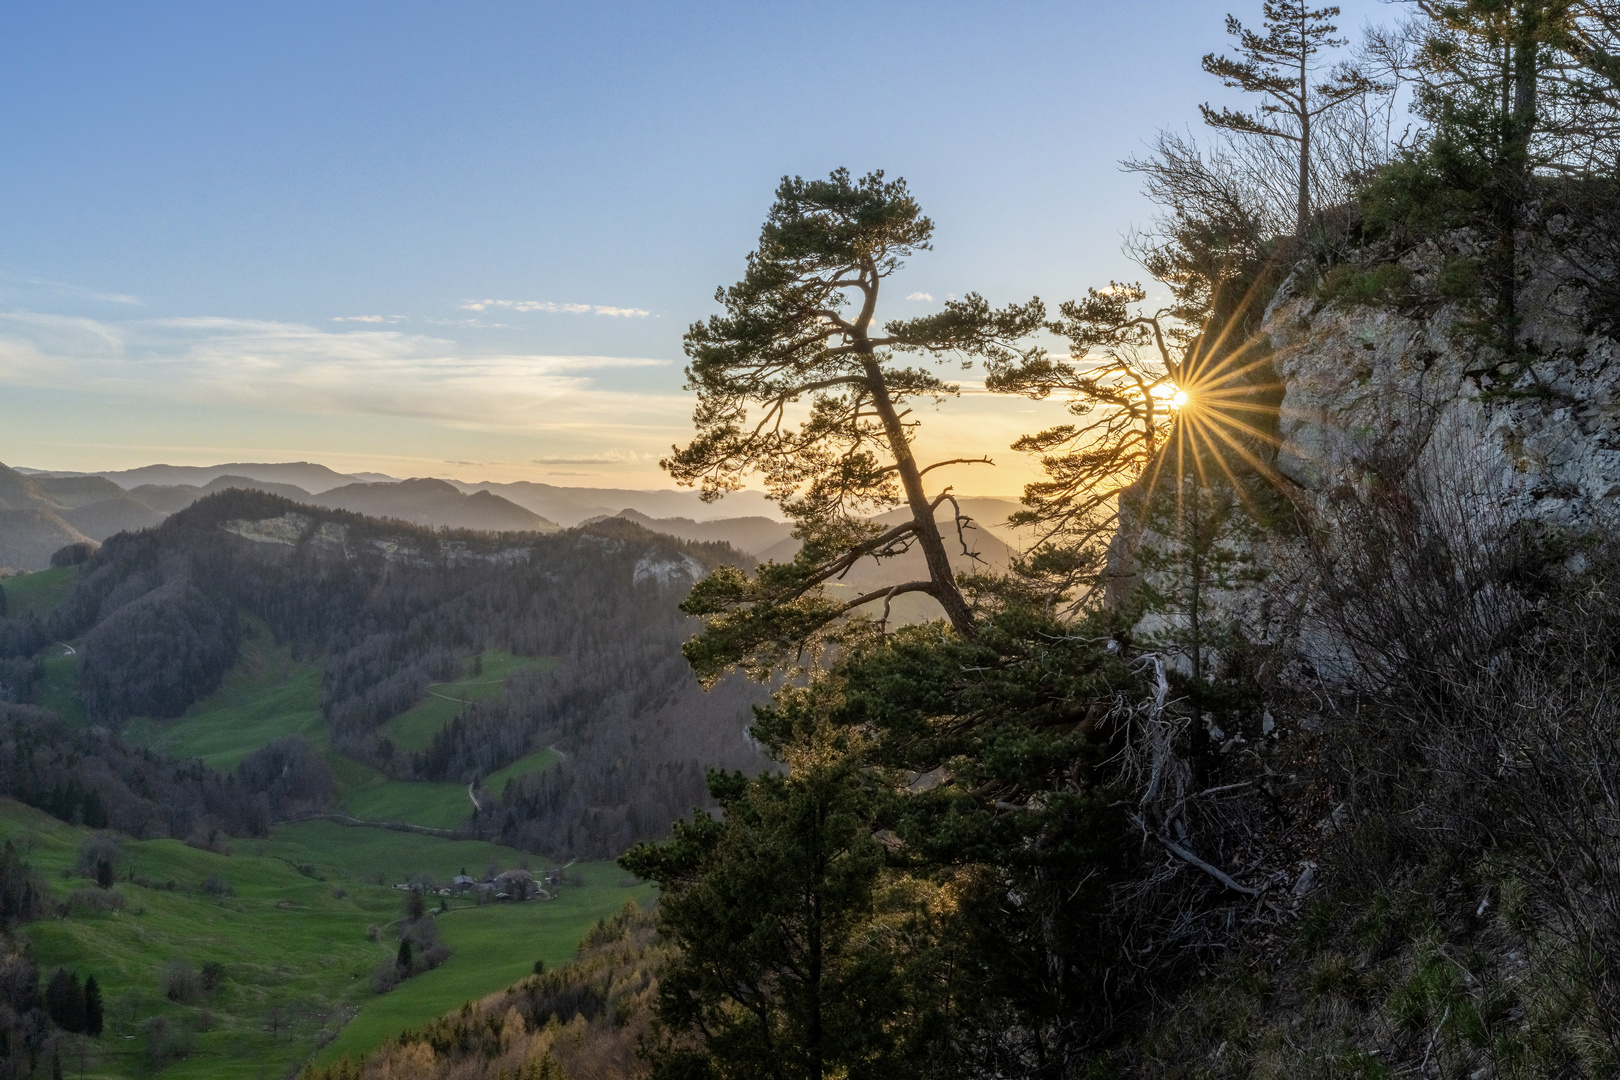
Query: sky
{"type": "Point", "coordinates": [464, 239]}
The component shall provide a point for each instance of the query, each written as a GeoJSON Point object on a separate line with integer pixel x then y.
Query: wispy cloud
{"type": "Point", "coordinates": [920, 296]}
{"type": "Point", "coordinates": [369, 318]}
{"type": "Point", "coordinates": [556, 309]}
{"type": "Point", "coordinates": [381, 372]}
{"type": "Point", "coordinates": [610, 458]}
{"type": "Point", "coordinates": [45, 292]}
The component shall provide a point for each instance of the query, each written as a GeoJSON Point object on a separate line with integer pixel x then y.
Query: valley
{"type": "Point", "coordinates": [291, 920]}
{"type": "Point", "coordinates": [299, 911]}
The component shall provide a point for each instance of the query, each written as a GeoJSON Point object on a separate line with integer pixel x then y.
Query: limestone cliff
{"type": "Point", "coordinates": [1401, 388]}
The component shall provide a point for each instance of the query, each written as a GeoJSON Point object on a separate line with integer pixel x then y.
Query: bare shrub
{"type": "Point", "coordinates": [166, 1042]}
{"type": "Point", "coordinates": [98, 850]}
{"type": "Point", "coordinates": [180, 982]}
{"type": "Point", "coordinates": [385, 976]}
{"type": "Point", "coordinates": [94, 901]}
{"type": "Point", "coordinates": [1479, 718]}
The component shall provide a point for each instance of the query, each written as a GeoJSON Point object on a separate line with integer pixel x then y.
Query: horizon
{"type": "Point", "coordinates": [368, 476]}
{"type": "Point", "coordinates": [426, 243]}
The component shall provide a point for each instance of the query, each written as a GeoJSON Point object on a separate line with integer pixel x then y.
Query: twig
{"type": "Point", "coordinates": [1192, 860]}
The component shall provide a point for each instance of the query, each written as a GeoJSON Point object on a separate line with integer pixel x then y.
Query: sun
{"type": "Point", "coordinates": [1179, 399]}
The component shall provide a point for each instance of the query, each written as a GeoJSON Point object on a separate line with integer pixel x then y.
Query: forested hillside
{"type": "Point", "coordinates": [385, 610]}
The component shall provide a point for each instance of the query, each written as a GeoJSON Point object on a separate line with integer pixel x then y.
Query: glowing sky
{"type": "Point", "coordinates": [464, 239]}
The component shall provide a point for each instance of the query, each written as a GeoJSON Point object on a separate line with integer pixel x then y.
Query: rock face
{"type": "Point", "coordinates": [1364, 382]}
{"type": "Point", "coordinates": [1400, 388]}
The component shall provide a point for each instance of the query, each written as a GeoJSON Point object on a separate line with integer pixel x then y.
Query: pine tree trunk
{"type": "Point", "coordinates": [928, 536]}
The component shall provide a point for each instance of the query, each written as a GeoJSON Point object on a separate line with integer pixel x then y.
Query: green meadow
{"type": "Point", "coordinates": [538, 762]}
{"type": "Point", "coordinates": [495, 945]}
{"type": "Point", "coordinates": [418, 802]}
{"type": "Point", "coordinates": [58, 687]}
{"type": "Point", "coordinates": [38, 593]}
{"type": "Point", "coordinates": [414, 729]}
{"type": "Point", "coordinates": [290, 919]}
{"type": "Point", "coordinates": [266, 696]}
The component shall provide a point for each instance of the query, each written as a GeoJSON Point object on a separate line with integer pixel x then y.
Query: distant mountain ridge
{"type": "Point", "coordinates": [33, 524]}
{"type": "Point", "coordinates": [48, 510]}
{"type": "Point", "coordinates": [307, 475]}
{"type": "Point", "coordinates": [44, 512]}
{"type": "Point", "coordinates": [425, 501]}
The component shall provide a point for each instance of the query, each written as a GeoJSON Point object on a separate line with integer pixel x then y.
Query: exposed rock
{"type": "Point", "coordinates": [1370, 387]}
{"type": "Point", "coordinates": [680, 570]}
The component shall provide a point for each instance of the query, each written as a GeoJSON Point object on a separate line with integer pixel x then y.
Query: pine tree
{"type": "Point", "coordinates": [1205, 527]}
{"type": "Point", "coordinates": [403, 959]}
{"type": "Point", "coordinates": [778, 972]}
{"type": "Point", "coordinates": [1278, 67]}
{"type": "Point", "coordinates": [94, 1014]}
{"type": "Point", "coordinates": [799, 332]}
{"type": "Point", "coordinates": [64, 1001]}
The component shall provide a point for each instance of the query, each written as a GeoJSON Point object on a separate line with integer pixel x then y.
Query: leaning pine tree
{"type": "Point", "coordinates": [799, 383]}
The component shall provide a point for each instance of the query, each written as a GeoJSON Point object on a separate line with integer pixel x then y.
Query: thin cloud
{"type": "Point", "coordinates": [378, 372]}
{"type": "Point", "coordinates": [557, 309]}
{"type": "Point", "coordinates": [35, 290]}
{"type": "Point", "coordinates": [920, 296]}
{"type": "Point", "coordinates": [369, 318]}
{"type": "Point", "coordinates": [598, 459]}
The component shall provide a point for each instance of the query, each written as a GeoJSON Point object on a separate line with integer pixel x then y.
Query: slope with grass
{"type": "Point", "coordinates": [288, 919]}
{"type": "Point", "coordinates": [485, 680]}
{"type": "Point", "coordinates": [38, 593]}
{"type": "Point", "coordinates": [495, 945]}
{"type": "Point", "coordinates": [269, 696]}
{"type": "Point", "coordinates": [533, 763]}
{"type": "Point", "coordinates": [58, 687]}
{"type": "Point", "coordinates": [266, 696]}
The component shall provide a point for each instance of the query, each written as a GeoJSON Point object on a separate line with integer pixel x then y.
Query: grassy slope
{"type": "Point", "coordinates": [539, 762]}
{"type": "Point", "coordinates": [265, 697]}
{"type": "Point", "coordinates": [40, 593]}
{"type": "Point", "coordinates": [496, 944]}
{"type": "Point", "coordinates": [415, 728]}
{"type": "Point", "coordinates": [286, 940]}
{"type": "Point", "coordinates": [420, 802]}
{"type": "Point", "coordinates": [268, 696]}
{"type": "Point", "coordinates": [58, 687]}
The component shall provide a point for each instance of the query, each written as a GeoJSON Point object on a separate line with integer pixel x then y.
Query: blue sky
{"type": "Point", "coordinates": [464, 239]}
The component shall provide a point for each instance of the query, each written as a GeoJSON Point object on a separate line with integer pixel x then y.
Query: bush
{"type": "Point", "coordinates": [94, 901]}
{"type": "Point", "coordinates": [166, 1042]}
{"type": "Point", "coordinates": [214, 885]}
{"type": "Point", "coordinates": [1351, 285]}
{"type": "Point", "coordinates": [385, 977]}
{"type": "Point", "coordinates": [98, 850]}
{"type": "Point", "coordinates": [180, 982]}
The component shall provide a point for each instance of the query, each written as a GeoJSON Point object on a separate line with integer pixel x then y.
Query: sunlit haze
{"type": "Point", "coordinates": [465, 240]}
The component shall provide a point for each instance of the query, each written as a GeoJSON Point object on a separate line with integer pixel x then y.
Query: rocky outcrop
{"type": "Point", "coordinates": [1402, 388]}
